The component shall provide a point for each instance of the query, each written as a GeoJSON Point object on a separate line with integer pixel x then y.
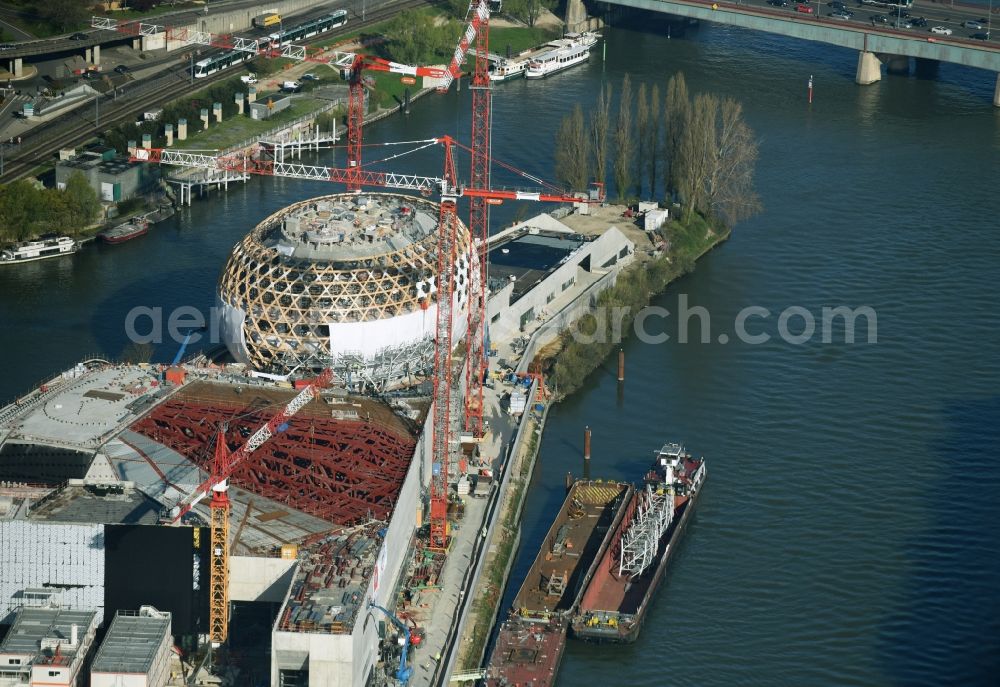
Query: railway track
{"type": "Point", "coordinates": [41, 144]}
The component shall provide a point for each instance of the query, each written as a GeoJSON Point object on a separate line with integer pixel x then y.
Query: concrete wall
{"type": "Point", "coordinates": [240, 20]}
{"type": "Point", "coordinates": [254, 578]}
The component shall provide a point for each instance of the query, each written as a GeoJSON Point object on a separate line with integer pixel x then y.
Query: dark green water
{"type": "Point", "coordinates": [848, 531]}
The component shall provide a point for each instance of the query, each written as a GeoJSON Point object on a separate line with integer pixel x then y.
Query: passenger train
{"type": "Point", "coordinates": [309, 29]}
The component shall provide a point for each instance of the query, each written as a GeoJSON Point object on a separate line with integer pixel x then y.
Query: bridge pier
{"type": "Point", "coordinates": [16, 67]}
{"type": "Point", "coordinates": [869, 69]}
{"type": "Point", "coordinates": [92, 55]}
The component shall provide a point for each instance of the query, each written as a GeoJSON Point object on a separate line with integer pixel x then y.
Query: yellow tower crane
{"type": "Point", "coordinates": [223, 464]}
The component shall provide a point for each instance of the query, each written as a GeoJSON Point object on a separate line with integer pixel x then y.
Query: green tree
{"type": "Point", "coordinates": [528, 11]}
{"type": "Point", "coordinates": [571, 151]}
{"type": "Point", "coordinates": [413, 38]}
{"type": "Point", "coordinates": [600, 122]}
{"type": "Point", "coordinates": [63, 15]}
{"type": "Point", "coordinates": [82, 203]}
{"type": "Point", "coordinates": [624, 140]}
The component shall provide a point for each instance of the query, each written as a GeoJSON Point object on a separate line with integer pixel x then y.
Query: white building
{"type": "Point", "coordinates": [135, 652]}
{"type": "Point", "coordinates": [47, 647]}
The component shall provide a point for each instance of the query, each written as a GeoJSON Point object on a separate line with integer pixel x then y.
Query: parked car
{"type": "Point", "coordinates": [122, 69]}
{"type": "Point", "coordinates": [249, 78]}
{"type": "Point", "coordinates": [310, 77]}
{"type": "Point", "coordinates": [804, 9]}
{"type": "Point", "coordinates": [79, 37]}
{"type": "Point", "coordinates": [974, 24]}
{"type": "Point", "coordinates": [941, 30]}
{"type": "Point", "coordinates": [839, 14]}
{"type": "Point", "coordinates": [980, 36]}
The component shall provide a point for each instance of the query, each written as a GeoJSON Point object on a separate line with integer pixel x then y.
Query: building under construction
{"type": "Point", "coordinates": [97, 465]}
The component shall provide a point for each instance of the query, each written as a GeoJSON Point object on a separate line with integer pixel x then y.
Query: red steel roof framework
{"type": "Point", "coordinates": [343, 471]}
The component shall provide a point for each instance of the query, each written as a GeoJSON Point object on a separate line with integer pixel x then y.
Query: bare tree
{"type": "Point", "coordinates": [676, 113]}
{"type": "Point", "coordinates": [729, 188]}
{"type": "Point", "coordinates": [716, 161]}
{"type": "Point", "coordinates": [600, 122]}
{"type": "Point", "coordinates": [624, 140]}
{"type": "Point", "coordinates": [571, 151]}
{"type": "Point", "coordinates": [642, 151]}
{"type": "Point", "coordinates": [692, 164]}
{"type": "Point", "coordinates": [653, 139]}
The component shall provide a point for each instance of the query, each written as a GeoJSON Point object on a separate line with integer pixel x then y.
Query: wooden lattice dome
{"type": "Point", "coordinates": [339, 268]}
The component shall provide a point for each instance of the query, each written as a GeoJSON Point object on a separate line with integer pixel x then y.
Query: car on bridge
{"type": "Point", "coordinates": [804, 9]}
{"type": "Point", "coordinates": [974, 24]}
{"type": "Point", "coordinates": [980, 36]}
{"type": "Point", "coordinates": [837, 5]}
{"type": "Point", "coordinates": [778, 3]}
{"type": "Point", "coordinates": [79, 37]}
{"type": "Point", "coordinates": [941, 30]}
{"type": "Point", "coordinates": [840, 14]}
{"type": "Point", "coordinates": [918, 21]}
{"type": "Point", "coordinates": [879, 19]}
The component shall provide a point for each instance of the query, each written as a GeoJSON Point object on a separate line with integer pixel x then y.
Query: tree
{"type": "Point", "coordinates": [528, 11]}
{"type": "Point", "coordinates": [624, 140]}
{"type": "Point", "coordinates": [82, 203]}
{"type": "Point", "coordinates": [571, 151]}
{"type": "Point", "coordinates": [729, 191]}
{"type": "Point", "coordinates": [653, 139]}
{"type": "Point", "coordinates": [676, 113]}
{"type": "Point", "coordinates": [413, 38]}
{"type": "Point", "coordinates": [717, 160]}
{"type": "Point", "coordinates": [600, 121]}
{"type": "Point", "coordinates": [63, 15]}
{"type": "Point", "coordinates": [642, 151]}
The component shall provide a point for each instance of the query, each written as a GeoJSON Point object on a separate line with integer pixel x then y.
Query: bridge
{"type": "Point", "coordinates": [875, 36]}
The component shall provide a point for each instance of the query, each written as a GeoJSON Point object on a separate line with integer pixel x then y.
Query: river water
{"type": "Point", "coordinates": [847, 532]}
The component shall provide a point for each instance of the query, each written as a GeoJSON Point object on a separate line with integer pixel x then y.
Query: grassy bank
{"type": "Point", "coordinates": [688, 240]}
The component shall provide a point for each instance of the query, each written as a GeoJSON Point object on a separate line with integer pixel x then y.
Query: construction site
{"type": "Point", "coordinates": [307, 504]}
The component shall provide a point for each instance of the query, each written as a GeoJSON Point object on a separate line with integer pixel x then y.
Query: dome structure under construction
{"type": "Point", "coordinates": [344, 281]}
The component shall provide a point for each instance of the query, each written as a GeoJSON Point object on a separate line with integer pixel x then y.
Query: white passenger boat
{"type": "Point", "coordinates": [39, 250]}
{"type": "Point", "coordinates": [505, 69]}
{"type": "Point", "coordinates": [572, 49]}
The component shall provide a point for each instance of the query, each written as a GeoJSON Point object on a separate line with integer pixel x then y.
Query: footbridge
{"type": "Point", "coordinates": [877, 37]}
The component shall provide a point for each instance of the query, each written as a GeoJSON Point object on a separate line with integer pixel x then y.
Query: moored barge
{"type": "Point", "coordinates": [618, 596]}
{"type": "Point", "coordinates": [530, 644]}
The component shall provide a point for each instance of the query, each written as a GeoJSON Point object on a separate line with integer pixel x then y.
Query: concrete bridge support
{"type": "Point", "coordinates": [869, 69]}
{"type": "Point", "coordinates": [92, 55]}
{"type": "Point", "coordinates": [16, 67]}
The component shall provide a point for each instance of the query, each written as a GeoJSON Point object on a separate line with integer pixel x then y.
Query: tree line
{"type": "Point", "coordinates": [697, 149]}
{"type": "Point", "coordinates": [28, 210]}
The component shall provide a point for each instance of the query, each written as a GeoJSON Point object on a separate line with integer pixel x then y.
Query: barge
{"type": "Point", "coordinates": [618, 596]}
{"type": "Point", "coordinates": [125, 232]}
{"type": "Point", "coordinates": [530, 644]}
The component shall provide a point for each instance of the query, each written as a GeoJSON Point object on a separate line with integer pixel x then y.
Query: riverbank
{"type": "Point", "coordinates": [666, 255]}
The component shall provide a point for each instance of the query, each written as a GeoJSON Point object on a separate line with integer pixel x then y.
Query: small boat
{"type": "Point", "coordinates": [162, 212]}
{"type": "Point", "coordinates": [572, 49]}
{"type": "Point", "coordinates": [30, 251]}
{"type": "Point", "coordinates": [125, 232]}
{"type": "Point", "coordinates": [505, 69]}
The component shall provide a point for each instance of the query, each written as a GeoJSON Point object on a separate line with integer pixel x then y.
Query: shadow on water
{"type": "Point", "coordinates": [947, 630]}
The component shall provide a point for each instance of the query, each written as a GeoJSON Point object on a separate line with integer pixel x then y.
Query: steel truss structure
{"type": "Point", "coordinates": [641, 539]}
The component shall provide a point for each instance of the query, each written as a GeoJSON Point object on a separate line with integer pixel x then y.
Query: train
{"type": "Point", "coordinates": [311, 28]}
